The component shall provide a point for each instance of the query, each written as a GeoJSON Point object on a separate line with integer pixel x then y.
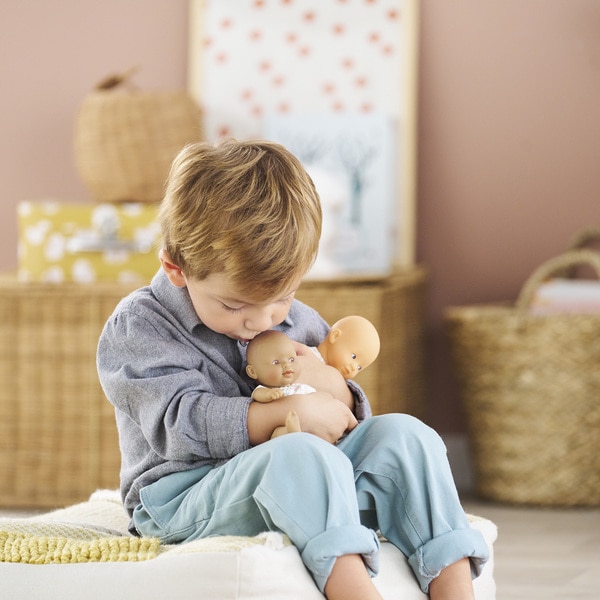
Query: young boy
{"type": "Point", "coordinates": [241, 224]}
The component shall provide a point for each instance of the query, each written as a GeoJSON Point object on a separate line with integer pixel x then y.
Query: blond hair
{"type": "Point", "coordinates": [246, 209]}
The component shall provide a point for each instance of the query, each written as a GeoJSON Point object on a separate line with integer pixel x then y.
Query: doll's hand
{"type": "Point", "coordinates": [321, 376]}
{"type": "Point", "coordinates": [263, 394]}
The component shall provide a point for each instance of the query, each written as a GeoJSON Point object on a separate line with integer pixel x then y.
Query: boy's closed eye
{"type": "Point", "coordinates": [233, 309]}
{"type": "Point", "coordinates": [288, 299]}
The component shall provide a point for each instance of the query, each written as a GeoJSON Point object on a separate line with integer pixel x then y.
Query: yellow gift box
{"type": "Point", "coordinates": [61, 242]}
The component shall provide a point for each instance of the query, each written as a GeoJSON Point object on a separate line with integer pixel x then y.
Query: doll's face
{"type": "Point", "coordinates": [272, 360]}
{"type": "Point", "coordinates": [351, 346]}
{"type": "Point", "coordinates": [346, 356]}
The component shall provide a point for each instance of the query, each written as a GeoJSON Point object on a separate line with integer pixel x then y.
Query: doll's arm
{"type": "Point", "coordinates": [265, 394]}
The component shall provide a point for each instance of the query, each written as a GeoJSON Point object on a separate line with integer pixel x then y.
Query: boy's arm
{"type": "Point", "coordinates": [319, 413]}
{"type": "Point", "coordinates": [168, 395]}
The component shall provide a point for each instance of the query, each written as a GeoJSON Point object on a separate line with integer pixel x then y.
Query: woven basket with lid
{"type": "Point", "coordinates": [126, 139]}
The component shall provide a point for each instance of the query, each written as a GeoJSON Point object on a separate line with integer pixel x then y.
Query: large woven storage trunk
{"type": "Point", "coordinates": [530, 385]}
{"type": "Point", "coordinates": [58, 440]}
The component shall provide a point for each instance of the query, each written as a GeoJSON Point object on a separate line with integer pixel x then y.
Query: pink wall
{"type": "Point", "coordinates": [509, 158]}
{"type": "Point", "coordinates": [509, 129]}
{"type": "Point", "coordinates": [52, 54]}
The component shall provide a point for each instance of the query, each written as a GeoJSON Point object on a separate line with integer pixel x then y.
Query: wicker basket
{"type": "Point", "coordinates": [58, 438]}
{"type": "Point", "coordinates": [395, 382]}
{"type": "Point", "coordinates": [126, 140]}
{"type": "Point", "coordinates": [530, 385]}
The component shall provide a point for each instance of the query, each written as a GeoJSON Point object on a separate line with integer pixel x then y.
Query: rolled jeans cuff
{"type": "Point", "coordinates": [321, 552]}
{"type": "Point", "coordinates": [429, 560]}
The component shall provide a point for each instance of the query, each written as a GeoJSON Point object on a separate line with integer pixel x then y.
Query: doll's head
{"type": "Point", "coordinates": [351, 345]}
{"type": "Point", "coordinates": [271, 358]}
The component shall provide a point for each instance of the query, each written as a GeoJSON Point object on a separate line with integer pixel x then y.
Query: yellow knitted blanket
{"type": "Point", "coordinates": [94, 531]}
{"type": "Point", "coordinates": [34, 549]}
{"type": "Point", "coordinates": [43, 550]}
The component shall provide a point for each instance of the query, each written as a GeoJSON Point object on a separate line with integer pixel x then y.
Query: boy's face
{"type": "Point", "coordinates": [221, 308]}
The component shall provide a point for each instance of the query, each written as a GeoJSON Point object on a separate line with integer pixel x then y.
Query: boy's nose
{"type": "Point", "coordinates": [259, 321]}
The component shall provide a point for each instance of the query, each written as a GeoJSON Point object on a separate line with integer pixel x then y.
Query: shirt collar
{"type": "Point", "coordinates": [176, 300]}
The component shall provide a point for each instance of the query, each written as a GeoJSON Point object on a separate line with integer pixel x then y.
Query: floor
{"type": "Point", "coordinates": [541, 554]}
{"type": "Point", "coordinates": [549, 554]}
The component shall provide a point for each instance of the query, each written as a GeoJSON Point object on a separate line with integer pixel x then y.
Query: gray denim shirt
{"type": "Point", "coordinates": [179, 389]}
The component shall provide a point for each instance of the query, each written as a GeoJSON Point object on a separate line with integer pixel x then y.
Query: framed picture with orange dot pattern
{"type": "Point", "coordinates": [334, 81]}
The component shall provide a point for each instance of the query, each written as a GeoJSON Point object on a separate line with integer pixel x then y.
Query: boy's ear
{"type": "Point", "coordinates": [251, 372]}
{"type": "Point", "coordinates": [174, 273]}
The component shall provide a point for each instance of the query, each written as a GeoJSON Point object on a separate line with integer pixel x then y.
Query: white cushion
{"type": "Point", "coordinates": [263, 568]}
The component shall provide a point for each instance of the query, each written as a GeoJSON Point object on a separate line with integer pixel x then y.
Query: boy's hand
{"type": "Point", "coordinates": [322, 377]}
{"type": "Point", "coordinates": [323, 415]}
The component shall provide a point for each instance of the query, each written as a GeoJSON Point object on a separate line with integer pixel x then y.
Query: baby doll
{"type": "Point", "coordinates": [351, 345]}
{"type": "Point", "coordinates": [272, 361]}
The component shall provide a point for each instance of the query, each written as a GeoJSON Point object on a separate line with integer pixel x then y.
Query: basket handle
{"type": "Point", "coordinates": [580, 240]}
{"type": "Point", "coordinates": [113, 81]}
{"type": "Point", "coordinates": [558, 264]}
{"type": "Point", "coordinates": [584, 237]}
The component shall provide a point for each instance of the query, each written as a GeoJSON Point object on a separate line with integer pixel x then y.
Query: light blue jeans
{"type": "Point", "coordinates": [390, 473]}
